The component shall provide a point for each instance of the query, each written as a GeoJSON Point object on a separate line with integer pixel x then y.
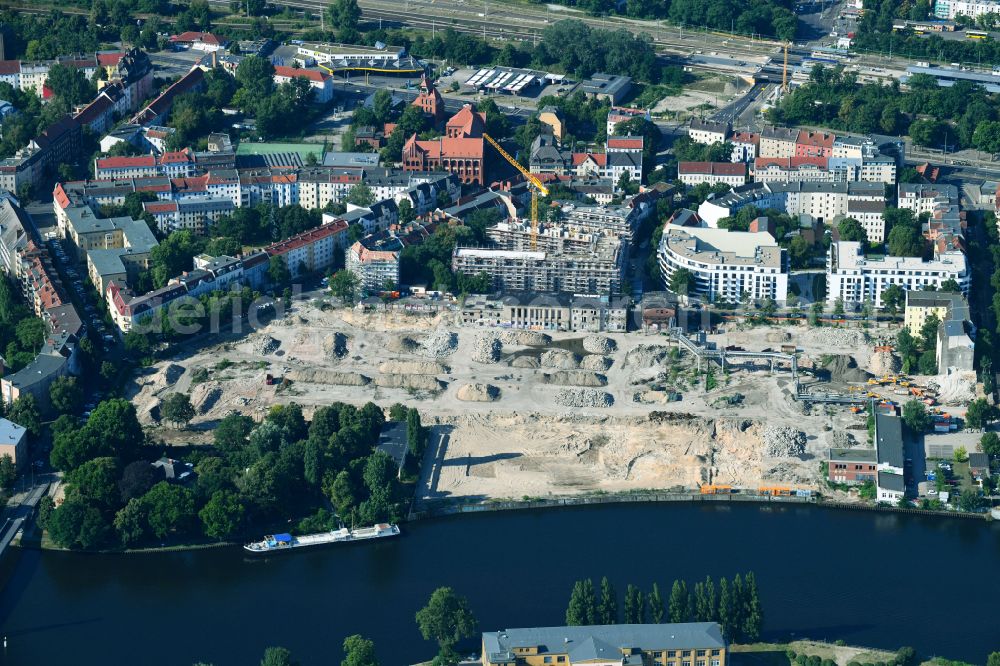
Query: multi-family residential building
{"type": "Point", "coordinates": [375, 262]}
{"type": "Point", "coordinates": [824, 202]}
{"type": "Point", "coordinates": [870, 215]}
{"type": "Point", "coordinates": [890, 480]}
{"type": "Point", "coordinates": [733, 174]}
{"type": "Point", "coordinates": [725, 264]}
{"type": "Point", "coordinates": [708, 131]}
{"type": "Point", "coordinates": [156, 112]}
{"type": "Point", "coordinates": [854, 278]}
{"type": "Point", "coordinates": [950, 9]}
{"type": "Point", "coordinates": [195, 214]}
{"type": "Point", "coordinates": [685, 644]}
{"type": "Point", "coordinates": [14, 443]}
{"type": "Point", "coordinates": [312, 251]}
{"type": "Point", "coordinates": [778, 142]}
{"type": "Point", "coordinates": [814, 144]}
{"type": "Point", "coordinates": [320, 81]}
{"type": "Point", "coordinates": [852, 466]}
{"type": "Point", "coordinates": [955, 347]}
{"type": "Point", "coordinates": [745, 146]}
{"type": "Point", "coordinates": [788, 169]}
{"type": "Point", "coordinates": [552, 312]}
{"type": "Point", "coordinates": [924, 198]}
{"type": "Point", "coordinates": [173, 165]}
{"type": "Point", "coordinates": [621, 114]}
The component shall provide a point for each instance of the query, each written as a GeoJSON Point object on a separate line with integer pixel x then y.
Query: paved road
{"type": "Point", "coordinates": [17, 516]}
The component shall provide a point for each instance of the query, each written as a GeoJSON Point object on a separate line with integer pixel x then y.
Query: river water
{"type": "Point", "coordinates": [879, 579]}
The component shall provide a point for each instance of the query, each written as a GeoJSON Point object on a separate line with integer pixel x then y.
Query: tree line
{"type": "Point", "coordinates": [734, 604]}
{"type": "Point", "coordinates": [253, 475]}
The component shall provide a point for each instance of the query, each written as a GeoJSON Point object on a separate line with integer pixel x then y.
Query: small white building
{"type": "Point", "coordinates": [708, 131]}
{"type": "Point", "coordinates": [733, 174]}
{"type": "Point", "coordinates": [321, 82]}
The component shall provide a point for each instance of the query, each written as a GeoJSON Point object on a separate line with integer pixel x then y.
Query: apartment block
{"type": "Point", "coordinates": [733, 174]}
{"type": "Point", "coordinates": [375, 262]}
{"type": "Point", "coordinates": [955, 347]}
{"type": "Point", "coordinates": [854, 278]}
{"type": "Point", "coordinates": [778, 142]}
{"type": "Point", "coordinates": [924, 198]}
{"type": "Point", "coordinates": [550, 312]}
{"type": "Point", "coordinates": [708, 131]}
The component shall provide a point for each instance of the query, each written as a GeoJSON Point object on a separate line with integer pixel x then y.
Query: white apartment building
{"type": "Point", "coordinates": [733, 174]}
{"type": "Point", "coordinates": [375, 268]}
{"type": "Point", "coordinates": [869, 214]}
{"type": "Point", "coordinates": [725, 264]}
{"type": "Point", "coordinates": [949, 9]}
{"type": "Point", "coordinates": [825, 202]}
{"type": "Point", "coordinates": [311, 251]}
{"type": "Point", "coordinates": [320, 82]}
{"type": "Point", "coordinates": [852, 277]}
{"type": "Point", "coordinates": [744, 146]}
{"type": "Point", "coordinates": [708, 132]}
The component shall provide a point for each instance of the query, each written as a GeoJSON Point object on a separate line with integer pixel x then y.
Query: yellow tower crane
{"type": "Point", "coordinates": [533, 179]}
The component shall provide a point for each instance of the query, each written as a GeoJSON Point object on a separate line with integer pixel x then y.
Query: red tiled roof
{"type": "Point", "coordinates": [159, 207]}
{"type": "Point", "coordinates": [821, 139]}
{"type": "Point", "coordinates": [306, 237]}
{"type": "Point", "coordinates": [10, 66]}
{"type": "Point", "coordinates": [714, 168]}
{"type": "Point", "coordinates": [626, 142]}
{"type": "Point", "coordinates": [126, 162]}
{"type": "Point", "coordinates": [179, 157]}
{"type": "Point", "coordinates": [745, 137]}
{"type": "Point", "coordinates": [109, 59]}
{"type": "Point", "coordinates": [192, 36]}
{"type": "Point", "coordinates": [293, 73]}
{"type": "Point", "coordinates": [199, 184]}
{"type": "Point", "coordinates": [601, 159]}
{"type": "Point", "coordinates": [469, 122]}
{"type": "Point", "coordinates": [448, 147]}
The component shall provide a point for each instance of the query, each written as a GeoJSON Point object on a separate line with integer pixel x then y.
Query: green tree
{"type": "Point", "coordinates": [66, 395]}
{"type": "Point", "coordinates": [678, 602]}
{"type": "Point", "coordinates": [753, 612]}
{"type": "Point", "coordinates": [416, 434]}
{"type": "Point", "coordinates": [989, 444]}
{"type": "Point", "coordinates": [905, 241]}
{"type": "Point", "coordinates": [359, 651]}
{"type": "Point", "coordinates": [255, 76]}
{"type": "Point", "coordinates": [607, 609]}
{"type": "Point", "coordinates": [680, 281]}
{"type": "Point", "coordinates": [705, 608]}
{"type": "Point", "coordinates": [950, 285]}
{"type": "Point", "coordinates": [727, 610]}
{"type": "Point", "coordinates": [130, 523]}
{"type": "Point", "coordinates": [344, 16]}
{"type": "Point", "coordinates": [76, 524]}
{"type": "Point", "coordinates": [447, 619]}
{"type": "Point", "coordinates": [893, 298]}
{"type": "Point", "coordinates": [635, 605]}
{"type": "Point", "coordinates": [24, 412]}
{"type": "Point", "coordinates": [8, 473]}
{"type": "Point", "coordinates": [915, 416]}
{"type": "Point", "coordinates": [277, 271]}
{"type": "Point", "coordinates": [582, 608]}
{"type": "Point", "coordinates": [970, 501]}
{"type": "Point", "coordinates": [656, 609]}
{"type": "Point", "coordinates": [278, 656]}
{"type": "Point", "coordinates": [96, 482]}
{"type": "Point", "coordinates": [222, 515]}
{"type": "Point", "coordinates": [344, 285]}
{"type": "Point", "coordinates": [399, 412]}
{"type": "Point", "coordinates": [928, 363]}
{"type": "Point", "coordinates": [177, 408]}
{"type": "Point", "coordinates": [169, 508]}
{"type": "Point", "coordinates": [360, 194]}
{"type": "Point", "coordinates": [961, 454]}
{"type": "Point", "coordinates": [851, 230]}
{"type": "Point", "coordinates": [69, 85]}
{"type": "Point", "coordinates": [992, 660]}
{"type": "Point", "coordinates": [986, 137]}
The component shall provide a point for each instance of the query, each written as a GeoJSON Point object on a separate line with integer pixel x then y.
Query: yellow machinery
{"type": "Point", "coordinates": [533, 179]}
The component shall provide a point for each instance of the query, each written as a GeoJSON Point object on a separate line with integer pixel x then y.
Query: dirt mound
{"type": "Point", "coordinates": [336, 346]}
{"type": "Point", "coordinates": [410, 382]}
{"type": "Point", "coordinates": [598, 344]}
{"type": "Point", "coordinates": [439, 343]}
{"type": "Point", "coordinates": [646, 356]}
{"type": "Point", "coordinates": [487, 348]}
{"type": "Point", "coordinates": [413, 368]}
{"type": "Point", "coordinates": [403, 344]}
{"type": "Point", "coordinates": [524, 338]}
{"type": "Point", "coordinates": [596, 362]}
{"type": "Point", "coordinates": [884, 363]}
{"type": "Point", "coordinates": [843, 368]}
{"type": "Point", "coordinates": [204, 400]}
{"type": "Point", "coordinates": [575, 378]}
{"type": "Point", "coordinates": [318, 376]}
{"type": "Point", "coordinates": [584, 398]}
{"type": "Point", "coordinates": [525, 362]}
{"type": "Point", "coordinates": [478, 393]}
{"type": "Point", "coordinates": [560, 358]}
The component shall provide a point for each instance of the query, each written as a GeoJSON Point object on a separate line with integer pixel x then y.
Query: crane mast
{"type": "Point", "coordinates": [531, 178]}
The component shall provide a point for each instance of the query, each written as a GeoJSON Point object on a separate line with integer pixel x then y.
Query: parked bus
{"type": "Point", "coordinates": [976, 34]}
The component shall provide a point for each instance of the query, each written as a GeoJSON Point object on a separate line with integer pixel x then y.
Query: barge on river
{"type": "Point", "coordinates": [281, 542]}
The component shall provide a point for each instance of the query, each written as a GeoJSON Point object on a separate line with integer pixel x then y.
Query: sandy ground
{"type": "Point", "coordinates": [522, 437]}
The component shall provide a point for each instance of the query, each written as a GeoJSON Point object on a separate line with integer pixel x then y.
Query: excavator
{"type": "Point", "coordinates": [531, 178]}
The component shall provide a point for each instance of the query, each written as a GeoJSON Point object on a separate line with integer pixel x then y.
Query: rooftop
{"type": "Point", "coordinates": [889, 440]}
{"type": "Point", "coordinates": [721, 246]}
{"type": "Point", "coordinates": [852, 455]}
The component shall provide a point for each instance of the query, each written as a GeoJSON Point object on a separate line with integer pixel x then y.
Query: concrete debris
{"type": "Point", "coordinates": [264, 344]}
{"type": "Point", "coordinates": [884, 363]}
{"type": "Point", "coordinates": [524, 338]}
{"type": "Point", "coordinates": [575, 378]}
{"type": "Point", "coordinates": [596, 362]}
{"type": "Point", "coordinates": [486, 348]}
{"type": "Point", "coordinates": [441, 342]}
{"type": "Point", "coordinates": [646, 356]}
{"type": "Point", "coordinates": [845, 338]}
{"type": "Point", "coordinates": [842, 439]}
{"type": "Point", "coordinates": [598, 344]}
{"type": "Point", "coordinates": [413, 368]}
{"type": "Point", "coordinates": [584, 398]}
{"type": "Point", "coordinates": [957, 388]}
{"type": "Point", "coordinates": [782, 441]}
{"type": "Point", "coordinates": [478, 393]}
{"type": "Point", "coordinates": [560, 358]}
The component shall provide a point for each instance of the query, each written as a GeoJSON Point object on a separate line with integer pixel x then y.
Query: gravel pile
{"type": "Point", "coordinates": [782, 441]}
{"type": "Point", "coordinates": [560, 358]}
{"type": "Point", "coordinates": [208, 401]}
{"type": "Point", "coordinates": [845, 369]}
{"type": "Point", "coordinates": [646, 356]}
{"type": "Point", "coordinates": [598, 344]}
{"type": "Point", "coordinates": [335, 346]}
{"type": "Point", "coordinates": [843, 440]}
{"type": "Point", "coordinates": [439, 343]}
{"type": "Point", "coordinates": [525, 362]}
{"type": "Point", "coordinates": [410, 382]}
{"type": "Point", "coordinates": [265, 344]}
{"type": "Point", "coordinates": [478, 393]}
{"type": "Point", "coordinates": [486, 348]}
{"type": "Point", "coordinates": [524, 338]}
{"type": "Point", "coordinates": [172, 373]}
{"type": "Point", "coordinates": [413, 368]}
{"type": "Point", "coordinates": [318, 376]}
{"type": "Point", "coordinates": [596, 362]}
{"type": "Point", "coordinates": [584, 398]}
{"type": "Point", "coordinates": [884, 363]}
{"type": "Point", "coordinates": [844, 338]}
{"type": "Point", "coordinates": [402, 345]}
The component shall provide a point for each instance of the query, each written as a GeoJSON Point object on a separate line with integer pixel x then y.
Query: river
{"type": "Point", "coordinates": [879, 579]}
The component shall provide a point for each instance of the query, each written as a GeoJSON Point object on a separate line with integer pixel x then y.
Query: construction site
{"type": "Point", "coordinates": [525, 413]}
